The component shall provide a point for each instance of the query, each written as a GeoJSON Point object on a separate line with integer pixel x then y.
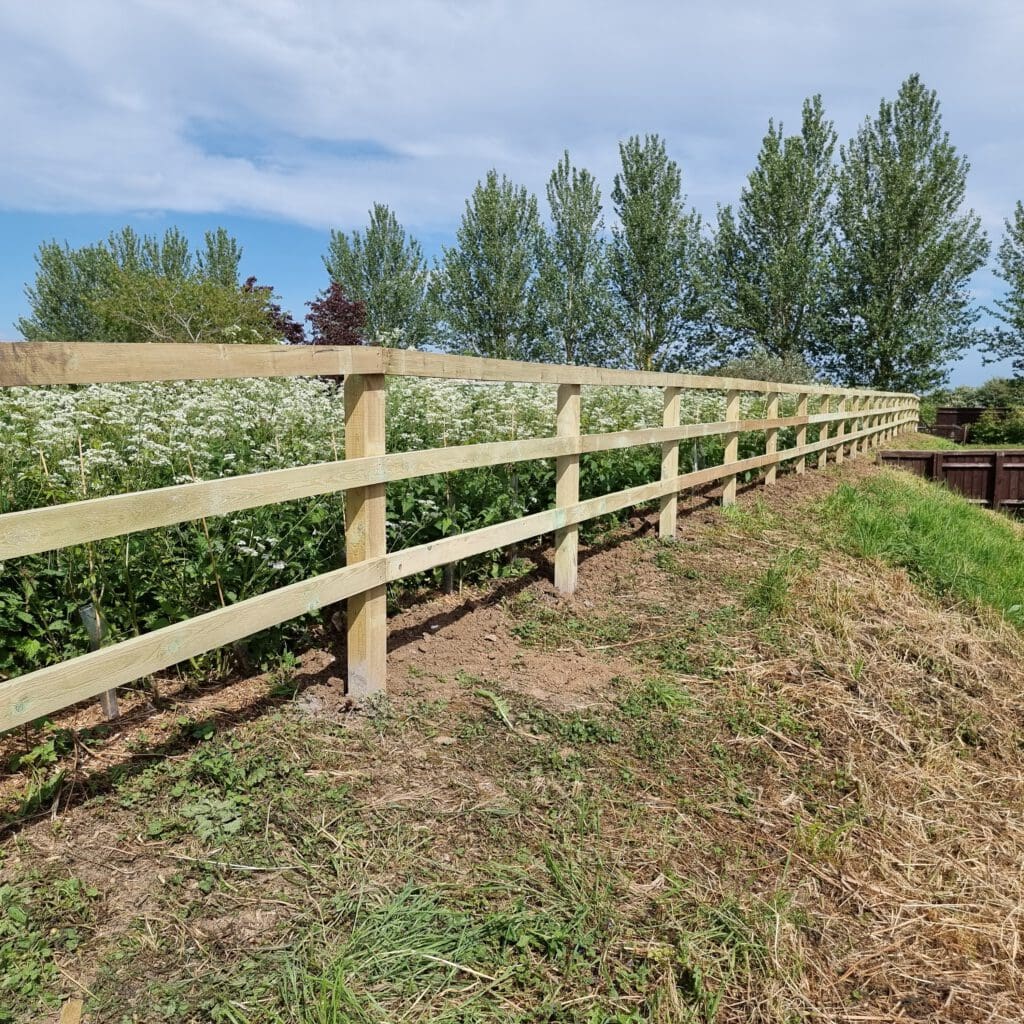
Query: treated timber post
{"type": "Point", "coordinates": [366, 536]}
{"type": "Point", "coordinates": [840, 431]}
{"type": "Point", "coordinates": [567, 488]}
{"type": "Point", "coordinates": [771, 435]}
{"type": "Point", "coordinates": [824, 406]}
{"type": "Point", "coordinates": [855, 445]}
{"type": "Point", "coordinates": [669, 465]}
{"type": "Point", "coordinates": [732, 446]}
{"type": "Point", "coordinates": [801, 432]}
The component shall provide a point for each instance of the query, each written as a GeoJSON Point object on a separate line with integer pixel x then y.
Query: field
{"type": "Point", "coordinates": [769, 772]}
{"type": "Point", "coordinates": [63, 444]}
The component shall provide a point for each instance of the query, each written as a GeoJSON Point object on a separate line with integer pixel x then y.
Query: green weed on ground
{"type": "Point", "coordinates": [948, 545]}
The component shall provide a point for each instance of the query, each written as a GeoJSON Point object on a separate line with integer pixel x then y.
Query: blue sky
{"type": "Point", "coordinates": [281, 119]}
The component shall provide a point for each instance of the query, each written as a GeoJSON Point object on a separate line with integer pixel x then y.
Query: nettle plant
{"type": "Point", "coordinates": [64, 444]}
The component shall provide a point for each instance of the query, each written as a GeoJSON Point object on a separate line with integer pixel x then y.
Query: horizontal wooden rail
{"type": "Point", "coordinates": [862, 418]}
{"type": "Point", "coordinates": [29, 363]}
{"type": "Point", "coordinates": [38, 693]}
{"type": "Point", "coordinates": [31, 531]}
{"type": "Point", "coordinates": [24, 363]}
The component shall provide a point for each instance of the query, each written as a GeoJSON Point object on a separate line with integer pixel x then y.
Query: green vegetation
{"type": "Point", "coordinates": [771, 256]}
{"type": "Point", "coordinates": [904, 251]}
{"type": "Point", "coordinates": [948, 545]}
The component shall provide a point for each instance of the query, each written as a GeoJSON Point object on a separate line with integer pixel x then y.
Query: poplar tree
{"type": "Point", "coordinates": [384, 269]}
{"type": "Point", "coordinates": [771, 257]}
{"type": "Point", "coordinates": [573, 278]}
{"type": "Point", "coordinates": [1007, 340]}
{"type": "Point", "coordinates": [656, 260]}
{"type": "Point", "coordinates": [905, 249]}
{"type": "Point", "coordinates": [486, 285]}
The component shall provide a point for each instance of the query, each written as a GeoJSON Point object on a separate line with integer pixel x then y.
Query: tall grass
{"type": "Point", "coordinates": [948, 545]}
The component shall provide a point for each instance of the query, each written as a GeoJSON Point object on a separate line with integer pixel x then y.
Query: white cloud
{"type": "Point", "coordinates": [101, 97]}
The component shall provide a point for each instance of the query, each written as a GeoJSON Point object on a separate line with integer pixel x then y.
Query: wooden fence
{"type": "Point", "coordinates": [994, 479]}
{"type": "Point", "coordinates": [850, 421]}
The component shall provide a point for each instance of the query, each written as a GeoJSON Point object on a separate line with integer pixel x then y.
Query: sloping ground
{"type": "Point", "coordinates": [742, 777]}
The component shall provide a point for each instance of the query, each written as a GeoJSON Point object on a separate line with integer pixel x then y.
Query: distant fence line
{"type": "Point", "coordinates": [851, 420]}
{"type": "Point", "coordinates": [994, 479]}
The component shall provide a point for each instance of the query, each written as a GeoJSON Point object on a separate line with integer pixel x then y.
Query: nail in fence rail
{"type": "Point", "coordinates": [363, 476]}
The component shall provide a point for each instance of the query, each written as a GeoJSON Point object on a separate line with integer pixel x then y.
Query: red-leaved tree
{"type": "Point", "coordinates": [336, 319]}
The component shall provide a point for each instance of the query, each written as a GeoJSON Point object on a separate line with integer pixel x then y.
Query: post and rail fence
{"type": "Point", "coordinates": [859, 419]}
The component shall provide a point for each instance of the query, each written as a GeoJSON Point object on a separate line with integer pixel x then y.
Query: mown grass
{"type": "Point", "coordinates": [948, 545]}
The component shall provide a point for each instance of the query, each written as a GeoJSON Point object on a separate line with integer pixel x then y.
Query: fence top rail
{"type": "Point", "coordinates": [30, 363]}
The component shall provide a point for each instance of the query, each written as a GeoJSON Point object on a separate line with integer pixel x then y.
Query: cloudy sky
{"type": "Point", "coordinates": [284, 118]}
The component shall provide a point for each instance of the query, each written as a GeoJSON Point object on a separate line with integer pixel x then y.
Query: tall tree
{"type": "Point", "coordinates": [384, 268]}
{"type": "Point", "coordinates": [219, 258]}
{"type": "Point", "coordinates": [135, 287]}
{"type": "Point", "coordinates": [905, 249]}
{"type": "Point", "coordinates": [771, 258]}
{"type": "Point", "coordinates": [573, 287]}
{"type": "Point", "coordinates": [657, 254]}
{"type": "Point", "coordinates": [61, 298]}
{"type": "Point", "coordinates": [1007, 340]}
{"type": "Point", "coordinates": [486, 286]}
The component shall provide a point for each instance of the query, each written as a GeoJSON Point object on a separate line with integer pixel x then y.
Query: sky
{"type": "Point", "coordinates": [283, 119]}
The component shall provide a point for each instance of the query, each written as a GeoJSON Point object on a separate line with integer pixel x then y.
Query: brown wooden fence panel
{"type": "Point", "coordinates": [991, 478]}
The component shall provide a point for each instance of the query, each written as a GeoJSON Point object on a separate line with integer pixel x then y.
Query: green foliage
{"type": "Point", "coordinates": [39, 921]}
{"type": "Point", "coordinates": [60, 299]}
{"type": "Point", "coordinates": [760, 364]}
{"type": "Point", "coordinates": [219, 259]}
{"type": "Point", "coordinates": [64, 444]}
{"type": "Point", "coordinates": [771, 258]}
{"type": "Point", "coordinates": [142, 288]}
{"type": "Point", "coordinates": [1001, 392]}
{"type": "Point", "coordinates": [947, 544]}
{"type": "Point", "coordinates": [904, 252]}
{"type": "Point", "coordinates": [573, 282]}
{"type": "Point", "coordinates": [999, 428]}
{"type": "Point", "coordinates": [486, 285]}
{"type": "Point", "coordinates": [1007, 340]}
{"type": "Point", "coordinates": [384, 268]}
{"type": "Point", "coordinates": [141, 306]}
{"type": "Point", "coordinates": [657, 261]}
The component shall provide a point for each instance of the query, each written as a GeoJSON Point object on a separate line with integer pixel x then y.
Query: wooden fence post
{"type": "Point", "coordinates": [801, 432]}
{"type": "Point", "coordinates": [732, 447]}
{"type": "Point", "coordinates": [824, 406]}
{"type": "Point", "coordinates": [856, 446]}
{"type": "Point", "coordinates": [366, 536]}
{"type": "Point", "coordinates": [669, 465]}
{"type": "Point", "coordinates": [840, 431]}
{"type": "Point", "coordinates": [567, 488]}
{"type": "Point", "coordinates": [771, 435]}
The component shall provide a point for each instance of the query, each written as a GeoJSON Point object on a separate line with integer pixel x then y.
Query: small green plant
{"type": "Point", "coordinates": [39, 921]}
{"type": "Point", "coordinates": [769, 595]}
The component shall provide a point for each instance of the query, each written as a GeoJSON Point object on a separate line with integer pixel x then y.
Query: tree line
{"type": "Point", "coordinates": [849, 263]}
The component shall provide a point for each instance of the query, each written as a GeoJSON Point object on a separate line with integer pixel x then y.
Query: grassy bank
{"type": "Point", "coordinates": [947, 544]}
{"type": "Point", "coordinates": [747, 776]}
